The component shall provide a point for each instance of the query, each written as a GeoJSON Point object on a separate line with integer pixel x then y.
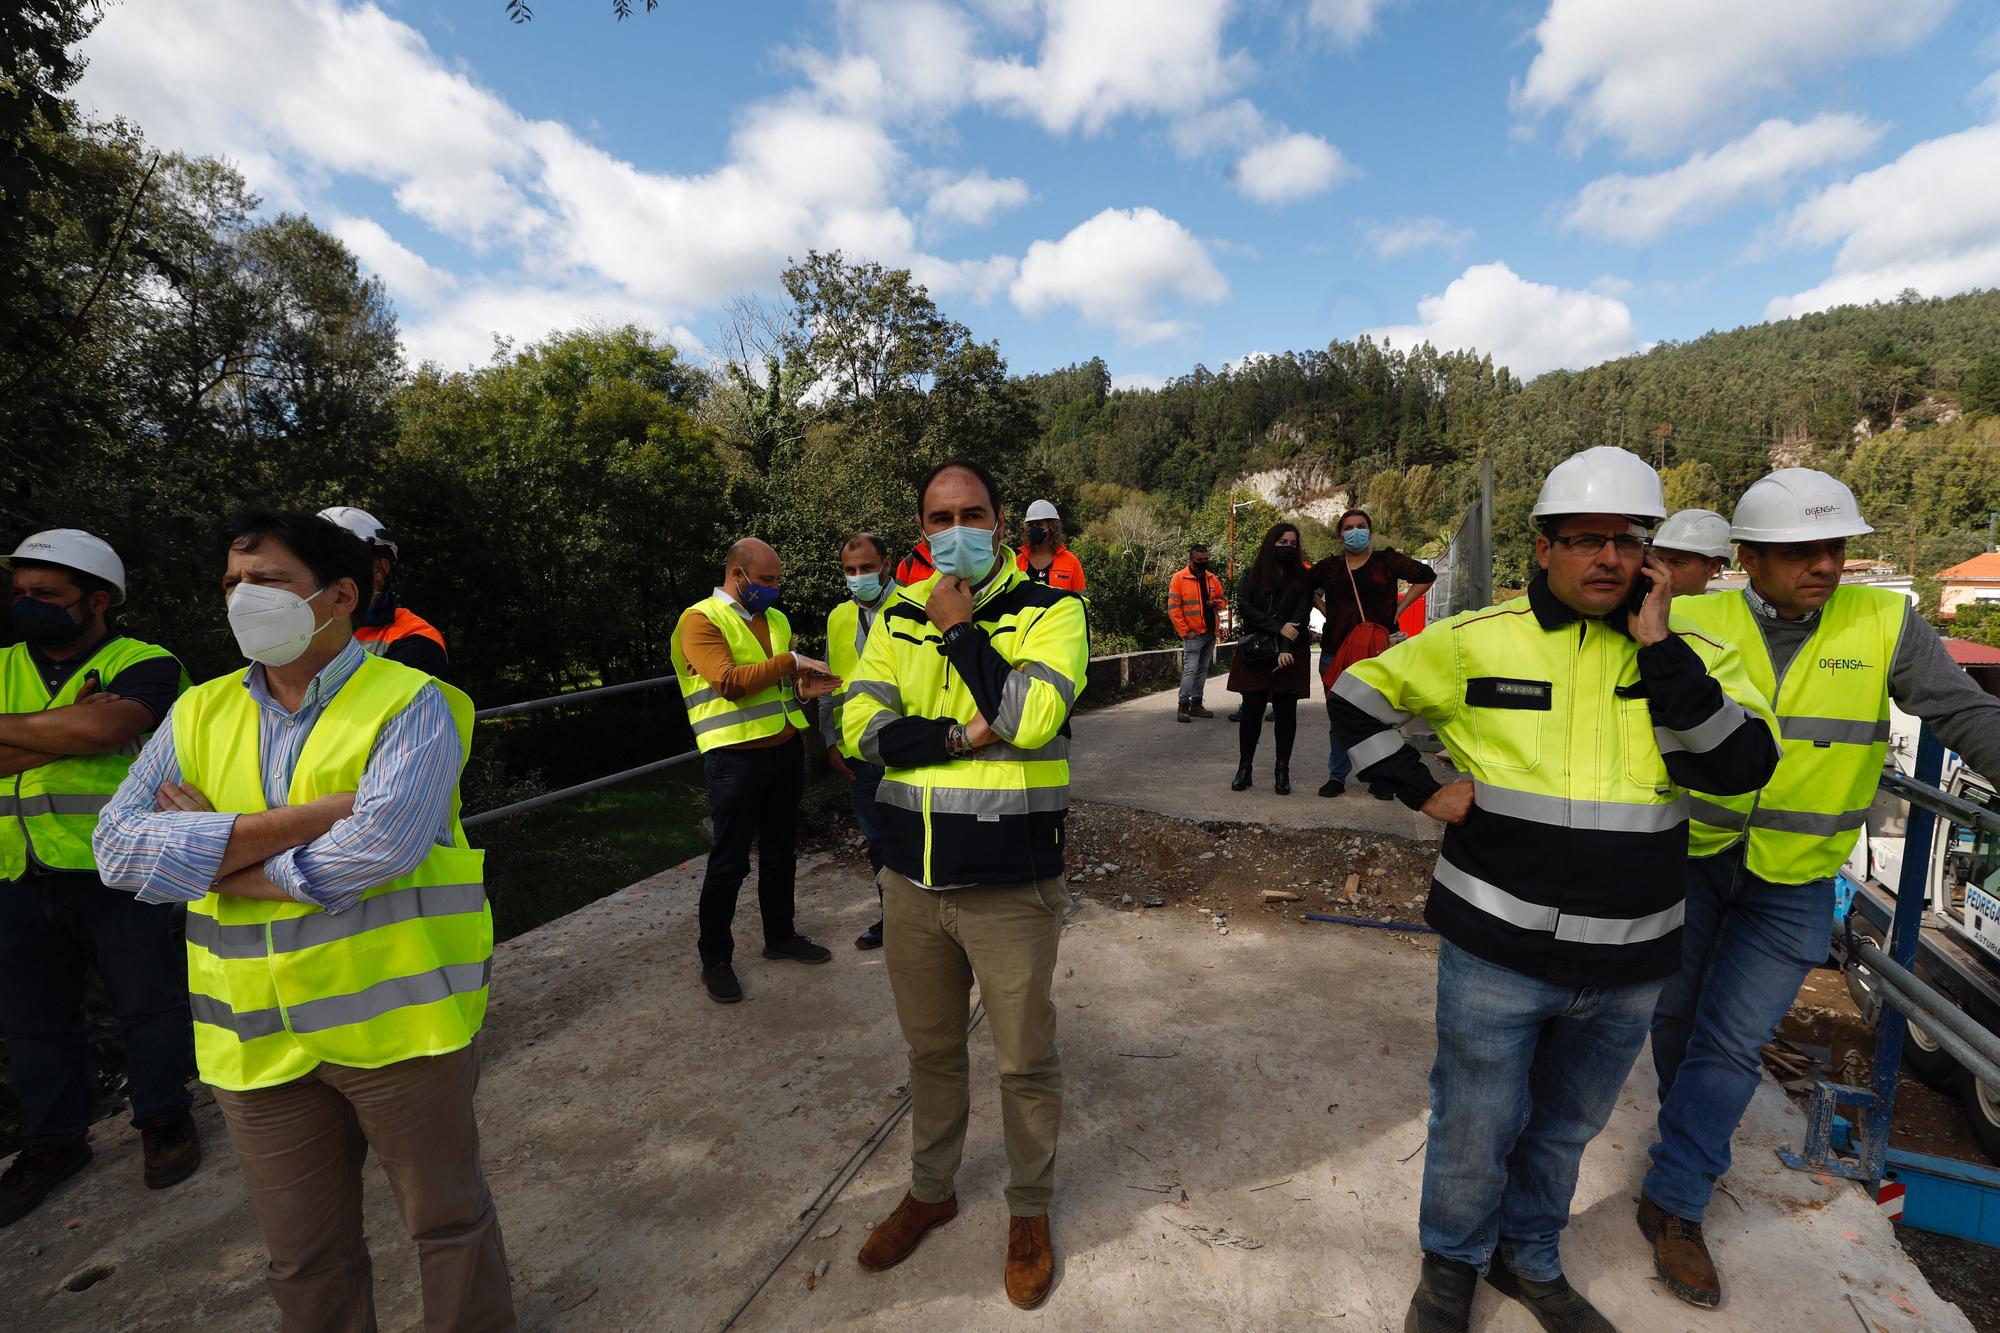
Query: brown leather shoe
{"type": "Point", "coordinates": [1031, 1261]}
{"type": "Point", "coordinates": [173, 1151]}
{"type": "Point", "coordinates": [1680, 1255]}
{"type": "Point", "coordinates": [897, 1235]}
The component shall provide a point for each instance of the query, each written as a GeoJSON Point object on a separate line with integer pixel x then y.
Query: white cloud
{"type": "Point", "coordinates": [1654, 75]}
{"type": "Point", "coordinates": [1529, 327]}
{"type": "Point", "coordinates": [1100, 59]}
{"type": "Point", "coordinates": [975, 199]}
{"type": "Point", "coordinates": [1138, 379]}
{"type": "Point", "coordinates": [1292, 167]}
{"type": "Point", "coordinates": [409, 277]}
{"type": "Point", "coordinates": [1928, 220]}
{"type": "Point", "coordinates": [459, 331]}
{"type": "Point", "coordinates": [979, 279]}
{"type": "Point", "coordinates": [1408, 236]}
{"type": "Point", "coordinates": [1638, 210]}
{"type": "Point", "coordinates": [1232, 125]}
{"type": "Point", "coordinates": [1987, 95]}
{"type": "Point", "coordinates": [1116, 270]}
{"type": "Point", "coordinates": [1347, 20]}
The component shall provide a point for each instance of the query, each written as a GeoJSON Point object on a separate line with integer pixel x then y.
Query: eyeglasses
{"type": "Point", "coordinates": [1590, 543]}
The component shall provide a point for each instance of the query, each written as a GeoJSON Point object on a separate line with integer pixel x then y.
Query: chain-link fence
{"type": "Point", "coordinates": [1465, 570]}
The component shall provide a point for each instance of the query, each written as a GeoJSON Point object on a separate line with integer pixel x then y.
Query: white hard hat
{"type": "Point", "coordinates": [73, 548]}
{"type": "Point", "coordinates": [1042, 510]}
{"type": "Point", "coordinates": [361, 523]}
{"type": "Point", "coordinates": [1603, 480]}
{"type": "Point", "coordinates": [1796, 504]}
{"type": "Point", "coordinates": [1699, 531]}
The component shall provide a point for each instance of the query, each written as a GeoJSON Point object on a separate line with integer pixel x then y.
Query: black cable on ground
{"type": "Point", "coordinates": [841, 1178]}
{"type": "Point", "coordinates": [1414, 927]}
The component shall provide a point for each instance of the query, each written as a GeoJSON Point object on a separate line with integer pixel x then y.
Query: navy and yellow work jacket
{"type": "Point", "coordinates": [995, 816]}
{"type": "Point", "coordinates": [1581, 744]}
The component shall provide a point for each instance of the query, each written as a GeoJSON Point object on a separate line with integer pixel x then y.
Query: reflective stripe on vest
{"type": "Point", "coordinates": [1833, 719]}
{"type": "Point", "coordinates": [717, 721]}
{"type": "Point", "coordinates": [47, 814]}
{"type": "Point", "coordinates": [277, 987]}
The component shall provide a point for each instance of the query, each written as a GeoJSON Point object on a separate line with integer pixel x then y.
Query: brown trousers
{"type": "Point", "coordinates": [302, 1145]}
{"type": "Point", "coordinates": [937, 945]}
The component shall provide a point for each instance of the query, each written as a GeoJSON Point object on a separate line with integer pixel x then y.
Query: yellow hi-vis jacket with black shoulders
{"type": "Point", "coordinates": [277, 987]}
{"type": "Point", "coordinates": [47, 814]}
{"type": "Point", "coordinates": [1833, 719]}
{"type": "Point", "coordinates": [718, 721]}
{"type": "Point", "coordinates": [1580, 743]}
{"type": "Point", "coordinates": [995, 816]}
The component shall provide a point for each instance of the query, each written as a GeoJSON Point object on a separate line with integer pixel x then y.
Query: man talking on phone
{"type": "Point", "coordinates": [743, 687]}
{"type": "Point", "coordinates": [1582, 713]}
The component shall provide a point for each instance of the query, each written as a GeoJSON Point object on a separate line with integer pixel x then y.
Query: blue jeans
{"type": "Point", "coordinates": [1527, 1073]}
{"type": "Point", "coordinates": [52, 927]}
{"type": "Point", "coordinates": [1197, 655]}
{"type": "Point", "coordinates": [1747, 947]}
{"type": "Point", "coordinates": [1338, 766]}
{"type": "Point", "coordinates": [868, 818]}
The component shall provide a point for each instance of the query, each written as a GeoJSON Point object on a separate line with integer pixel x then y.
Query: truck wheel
{"type": "Point", "coordinates": [1928, 1061]}
{"type": "Point", "coordinates": [1982, 1110]}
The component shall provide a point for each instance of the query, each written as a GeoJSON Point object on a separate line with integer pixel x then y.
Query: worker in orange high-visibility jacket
{"type": "Point", "coordinates": [1043, 557]}
{"type": "Point", "coordinates": [385, 627]}
{"type": "Point", "coordinates": [1195, 601]}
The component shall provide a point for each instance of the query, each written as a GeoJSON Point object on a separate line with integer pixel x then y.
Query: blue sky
{"type": "Point", "coordinates": [1159, 182]}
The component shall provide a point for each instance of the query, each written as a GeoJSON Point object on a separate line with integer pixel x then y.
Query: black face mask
{"type": "Point", "coordinates": [44, 624]}
{"type": "Point", "coordinates": [1198, 565]}
{"type": "Point", "coordinates": [1287, 555]}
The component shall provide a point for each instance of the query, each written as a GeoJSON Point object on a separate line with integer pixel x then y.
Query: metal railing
{"type": "Point", "coordinates": [592, 694]}
{"type": "Point", "coordinates": [1906, 997]}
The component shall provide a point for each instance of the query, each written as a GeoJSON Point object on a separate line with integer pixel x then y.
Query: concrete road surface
{"type": "Point", "coordinates": [1241, 1150]}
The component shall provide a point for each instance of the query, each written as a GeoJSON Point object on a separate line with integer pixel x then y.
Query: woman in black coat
{"type": "Point", "coordinates": [1273, 613]}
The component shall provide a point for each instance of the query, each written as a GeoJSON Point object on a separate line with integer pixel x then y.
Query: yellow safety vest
{"type": "Point", "coordinates": [995, 816]}
{"type": "Point", "coordinates": [718, 721]}
{"type": "Point", "coordinates": [278, 987]}
{"type": "Point", "coordinates": [47, 814]}
{"type": "Point", "coordinates": [1833, 719]}
{"type": "Point", "coordinates": [1572, 864]}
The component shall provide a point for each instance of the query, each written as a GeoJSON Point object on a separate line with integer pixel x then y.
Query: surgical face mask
{"type": "Point", "coordinates": [864, 588]}
{"type": "Point", "coordinates": [757, 598]}
{"type": "Point", "coordinates": [1355, 539]}
{"type": "Point", "coordinates": [1038, 534]}
{"type": "Point", "coordinates": [46, 625]}
{"type": "Point", "coordinates": [272, 625]}
{"type": "Point", "coordinates": [961, 552]}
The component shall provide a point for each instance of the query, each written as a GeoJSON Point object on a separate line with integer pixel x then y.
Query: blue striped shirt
{"type": "Point", "coordinates": [402, 810]}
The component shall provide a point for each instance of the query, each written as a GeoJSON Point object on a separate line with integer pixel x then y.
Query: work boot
{"type": "Point", "coordinates": [1281, 781]}
{"type": "Point", "coordinates": [723, 987]}
{"type": "Point", "coordinates": [1332, 787]}
{"type": "Point", "coordinates": [1181, 713]}
{"type": "Point", "coordinates": [173, 1151]}
{"type": "Point", "coordinates": [1236, 716]}
{"type": "Point", "coordinates": [798, 949]}
{"type": "Point", "coordinates": [870, 938]}
{"type": "Point", "coordinates": [1196, 710]}
{"type": "Point", "coordinates": [1560, 1307]}
{"type": "Point", "coordinates": [1680, 1255]}
{"type": "Point", "coordinates": [1241, 782]}
{"type": "Point", "coordinates": [896, 1235]}
{"type": "Point", "coordinates": [1031, 1261]}
{"type": "Point", "coordinates": [1443, 1303]}
{"type": "Point", "coordinates": [1380, 792]}
{"type": "Point", "coordinates": [34, 1176]}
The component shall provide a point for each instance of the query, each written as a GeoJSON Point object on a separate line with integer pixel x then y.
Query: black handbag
{"type": "Point", "coordinates": [1259, 646]}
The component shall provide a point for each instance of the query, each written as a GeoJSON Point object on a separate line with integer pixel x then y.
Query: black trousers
{"type": "Point", "coordinates": [1284, 724]}
{"type": "Point", "coordinates": [753, 797]}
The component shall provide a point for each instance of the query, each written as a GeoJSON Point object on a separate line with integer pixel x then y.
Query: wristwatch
{"type": "Point", "coordinates": [957, 632]}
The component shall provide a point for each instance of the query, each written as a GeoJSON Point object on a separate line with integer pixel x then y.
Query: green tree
{"type": "Point", "coordinates": [1692, 484]}
{"type": "Point", "coordinates": [1981, 390]}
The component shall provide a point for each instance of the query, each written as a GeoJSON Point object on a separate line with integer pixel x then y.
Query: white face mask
{"type": "Point", "coordinates": [272, 626]}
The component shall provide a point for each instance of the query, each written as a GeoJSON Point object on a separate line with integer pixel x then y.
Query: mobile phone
{"type": "Point", "coordinates": [1642, 587]}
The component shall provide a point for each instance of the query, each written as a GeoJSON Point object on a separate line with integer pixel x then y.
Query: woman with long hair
{"type": "Point", "coordinates": [1273, 612]}
{"type": "Point", "coordinates": [1355, 590]}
